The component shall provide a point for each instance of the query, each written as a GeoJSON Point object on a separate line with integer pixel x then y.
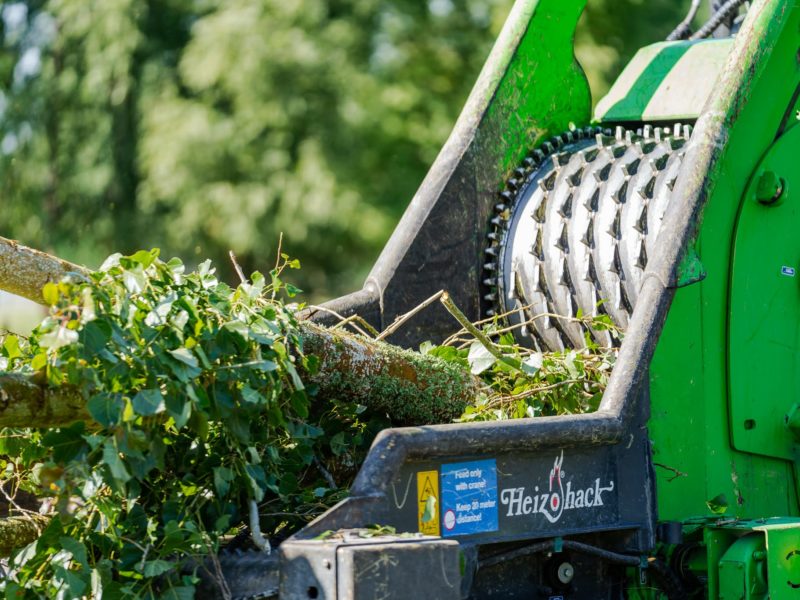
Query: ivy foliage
{"type": "Point", "coordinates": [200, 408]}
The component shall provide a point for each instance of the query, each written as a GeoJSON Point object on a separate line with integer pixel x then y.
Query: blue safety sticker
{"type": "Point", "coordinates": [469, 497]}
{"type": "Point", "coordinates": [788, 271]}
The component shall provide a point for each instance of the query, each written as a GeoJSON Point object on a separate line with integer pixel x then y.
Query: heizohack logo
{"type": "Point", "coordinates": [560, 496]}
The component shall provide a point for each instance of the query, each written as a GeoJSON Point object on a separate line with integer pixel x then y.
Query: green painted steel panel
{"type": "Point", "coordinates": [689, 425]}
{"type": "Point", "coordinates": [667, 81]}
{"type": "Point", "coordinates": [765, 308]}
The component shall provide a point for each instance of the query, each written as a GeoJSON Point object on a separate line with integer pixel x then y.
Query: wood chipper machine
{"type": "Point", "coordinates": [675, 210]}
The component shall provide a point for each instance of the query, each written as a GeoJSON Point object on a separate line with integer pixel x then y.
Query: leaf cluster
{"type": "Point", "coordinates": [200, 408]}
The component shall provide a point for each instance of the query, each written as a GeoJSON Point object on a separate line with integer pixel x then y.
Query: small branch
{"type": "Point", "coordinates": [676, 472]}
{"type": "Point", "coordinates": [466, 324]}
{"type": "Point", "coordinates": [259, 540]}
{"type": "Point", "coordinates": [342, 321]}
{"type": "Point", "coordinates": [236, 266]}
{"type": "Point", "coordinates": [24, 271]}
{"type": "Point", "coordinates": [402, 319]}
{"type": "Point", "coordinates": [325, 473]}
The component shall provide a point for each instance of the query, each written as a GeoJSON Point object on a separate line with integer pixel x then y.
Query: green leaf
{"type": "Point", "coordinates": [106, 409]}
{"type": "Point", "coordinates": [533, 363]}
{"type": "Point", "coordinates": [222, 479]}
{"type": "Point", "coordinates": [11, 346]}
{"type": "Point", "coordinates": [148, 402]}
{"type": "Point", "coordinates": [179, 408]}
{"type": "Point", "coordinates": [154, 568]}
{"type": "Point", "coordinates": [50, 293]}
{"type": "Point", "coordinates": [185, 356]}
{"type": "Point", "coordinates": [718, 504]}
{"type": "Point", "coordinates": [480, 358]}
{"type": "Point", "coordinates": [116, 465]}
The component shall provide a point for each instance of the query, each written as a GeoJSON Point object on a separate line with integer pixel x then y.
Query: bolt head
{"type": "Point", "coordinates": [769, 187]}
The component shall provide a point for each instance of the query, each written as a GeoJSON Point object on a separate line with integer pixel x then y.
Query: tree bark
{"type": "Point", "coordinates": [24, 271]}
{"type": "Point", "coordinates": [411, 388]}
{"type": "Point", "coordinates": [24, 402]}
{"type": "Point", "coordinates": [18, 532]}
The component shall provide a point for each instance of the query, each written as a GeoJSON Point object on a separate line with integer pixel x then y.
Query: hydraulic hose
{"type": "Point", "coordinates": [725, 12]}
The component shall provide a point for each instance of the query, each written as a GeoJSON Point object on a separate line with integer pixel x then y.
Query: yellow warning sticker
{"type": "Point", "coordinates": [428, 502]}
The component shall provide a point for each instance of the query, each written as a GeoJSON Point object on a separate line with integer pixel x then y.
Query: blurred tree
{"type": "Point", "coordinates": [205, 125]}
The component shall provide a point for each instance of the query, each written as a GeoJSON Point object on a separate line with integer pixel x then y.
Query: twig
{"type": "Point", "coordinates": [236, 266]}
{"type": "Point", "coordinates": [259, 540]}
{"type": "Point", "coordinates": [676, 472]}
{"type": "Point", "coordinates": [280, 247]}
{"type": "Point", "coordinates": [459, 316]}
{"type": "Point", "coordinates": [325, 473]}
{"type": "Point", "coordinates": [358, 329]}
{"type": "Point", "coordinates": [402, 319]}
{"type": "Point", "coordinates": [545, 388]}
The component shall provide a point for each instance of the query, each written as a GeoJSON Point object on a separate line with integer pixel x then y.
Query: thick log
{"type": "Point", "coordinates": [24, 402]}
{"type": "Point", "coordinates": [18, 532]}
{"type": "Point", "coordinates": [24, 271]}
{"type": "Point", "coordinates": [413, 389]}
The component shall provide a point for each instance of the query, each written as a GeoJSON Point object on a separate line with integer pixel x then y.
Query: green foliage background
{"type": "Point", "coordinates": [200, 126]}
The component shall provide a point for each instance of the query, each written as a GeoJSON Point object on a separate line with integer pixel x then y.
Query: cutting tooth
{"type": "Point", "coordinates": [570, 137]}
{"type": "Point", "coordinates": [658, 134]}
{"type": "Point", "coordinates": [687, 131]}
{"type": "Point", "coordinates": [619, 195]}
{"type": "Point", "coordinates": [529, 162]}
{"type": "Point", "coordinates": [490, 313]}
{"type": "Point", "coordinates": [594, 201]}
{"type": "Point", "coordinates": [507, 196]}
{"type": "Point", "coordinates": [565, 210]}
{"type": "Point", "coordinates": [499, 208]}
{"type": "Point", "coordinates": [599, 140]}
{"type": "Point", "coordinates": [616, 264]}
{"type": "Point", "coordinates": [676, 130]}
{"type": "Point", "coordinates": [629, 137]}
{"type": "Point", "coordinates": [519, 173]}
{"type": "Point", "coordinates": [602, 174]}
{"type": "Point", "coordinates": [642, 191]}
{"type": "Point", "coordinates": [490, 282]}
{"type": "Point", "coordinates": [591, 274]}
{"type": "Point", "coordinates": [497, 221]}
{"type": "Point", "coordinates": [588, 237]}
{"type": "Point", "coordinates": [539, 155]}
{"type": "Point", "coordinates": [513, 184]}
{"type": "Point", "coordinates": [631, 168]}
{"type": "Point", "coordinates": [540, 214]}
{"type": "Point", "coordinates": [562, 243]}
{"type": "Point", "coordinates": [537, 249]}
{"type": "Point", "coordinates": [619, 133]}
{"type": "Point", "coordinates": [490, 266]}
{"type": "Point", "coordinates": [491, 251]}
{"type": "Point", "coordinates": [641, 222]}
{"type": "Point", "coordinates": [641, 260]}
{"type": "Point", "coordinates": [671, 183]}
{"type": "Point", "coordinates": [490, 297]}
{"type": "Point", "coordinates": [492, 236]}
{"type": "Point", "coordinates": [559, 160]}
{"type": "Point", "coordinates": [648, 131]}
{"type": "Point", "coordinates": [615, 230]}
{"type": "Point", "coordinates": [548, 147]}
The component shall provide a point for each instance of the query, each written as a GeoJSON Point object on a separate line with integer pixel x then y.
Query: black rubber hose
{"type": "Point", "coordinates": [667, 579]}
{"type": "Point", "coordinates": [549, 545]}
{"type": "Point", "coordinates": [683, 30]}
{"type": "Point", "coordinates": [725, 12]}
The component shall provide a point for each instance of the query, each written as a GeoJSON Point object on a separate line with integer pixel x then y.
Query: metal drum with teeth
{"type": "Point", "coordinates": [574, 228]}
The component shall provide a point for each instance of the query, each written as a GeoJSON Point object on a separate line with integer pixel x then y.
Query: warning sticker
{"type": "Point", "coordinates": [469, 497]}
{"type": "Point", "coordinates": [428, 502]}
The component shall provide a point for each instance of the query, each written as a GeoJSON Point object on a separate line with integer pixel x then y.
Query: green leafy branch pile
{"type": "Point", "coordinates": [199, 408]}
{"type": "Point", "coordinates": [522, 382]}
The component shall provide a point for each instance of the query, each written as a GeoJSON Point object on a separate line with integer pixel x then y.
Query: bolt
{"type": "Point", "coordinates": [769, 188]}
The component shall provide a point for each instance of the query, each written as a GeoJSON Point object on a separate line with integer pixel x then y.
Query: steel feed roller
{"type": "Point", "coordinates": [574, 228]}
